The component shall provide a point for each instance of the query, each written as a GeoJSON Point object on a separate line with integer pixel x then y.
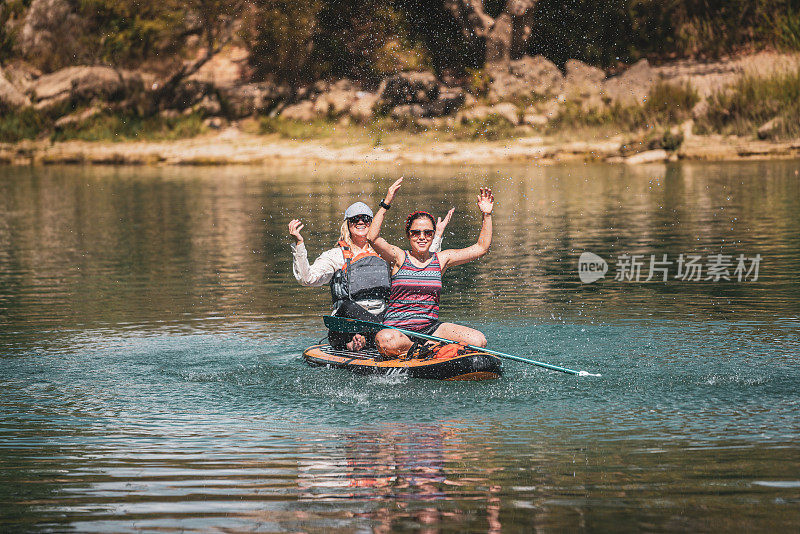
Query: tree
{"type": "Point", "coordinates": [505, 36]}
{"type": "Point", "coordinates": [214, 22]}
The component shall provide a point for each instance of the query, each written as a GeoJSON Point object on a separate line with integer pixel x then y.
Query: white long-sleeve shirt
{"type": "Point", "coordinates": [321, 271]}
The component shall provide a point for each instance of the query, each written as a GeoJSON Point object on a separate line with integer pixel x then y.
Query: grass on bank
{"type": "Point", "coordinates": [130, 127]}
{"type": "Point", "coordinates": [31, 124]}
{"type": "Point", "coordinates": [750, 102]}
{"type": "Point", "coordinates": [667, 105]}
{"type": "Point", "coordinates": [739, 109]}
{"type": "Point", "coordinates": [26, 123]}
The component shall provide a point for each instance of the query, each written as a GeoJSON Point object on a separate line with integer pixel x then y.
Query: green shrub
{"type": "Point", "coordinates": [292, 129]}
{"type": "Point", "coordinates": [787, 28]}
{"type": "Point", "coordinates": [669, 103]}
{"type": "Point", "coordinates": [26, 123]}
{"type": "Point", "coordinates": [492, 128]}
{"type": "Point", "coordinates": [478, 82]}
{"type": "Point", "coordinates": [129, 126]}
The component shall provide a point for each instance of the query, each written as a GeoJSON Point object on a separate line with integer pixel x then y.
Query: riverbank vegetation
{"type": "Point", "coordinates": [767, 106]}
{"type": "Point", "coordinates": [107, 70]}
{"type": "Point", "coordinates": [371, 39]}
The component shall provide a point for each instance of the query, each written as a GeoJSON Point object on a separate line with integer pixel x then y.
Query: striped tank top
{"type": "Point", "coordinates": [414, 295]}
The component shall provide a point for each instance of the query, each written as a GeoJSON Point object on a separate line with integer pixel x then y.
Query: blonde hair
{"type": "Point", "coordinates": [344, 235]}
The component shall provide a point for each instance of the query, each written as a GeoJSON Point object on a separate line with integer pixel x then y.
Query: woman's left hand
{"type": "Point", "coordinates": [441, 224]}
{"type": "Point", "coordinates": [486, 201]}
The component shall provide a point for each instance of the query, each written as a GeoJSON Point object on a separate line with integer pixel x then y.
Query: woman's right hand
{"type": "Point", "coordinates": [392, 190]}
{"type": "Point", "coordinates": [294, 230]}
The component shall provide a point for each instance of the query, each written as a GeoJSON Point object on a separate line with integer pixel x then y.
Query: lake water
{"type": "Point", "coordinates": [151, 333]}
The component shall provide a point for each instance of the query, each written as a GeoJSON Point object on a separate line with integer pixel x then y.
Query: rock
{"type": "Point", "coordinates": [582, 80]}
{"type": "Point", "coordinates": [506, 111]}
{"type": "Point", "coordinates": [409, 88]}
{"type": "Point", "coordinates": [82, 84]}
{"type": "Point", "coordinates": [77, 118]}
{"type": "Point", "coordinates": [632, 86]}
{"type": "Point", "coordinates": [475, 114]}
{"type": "Point", "coordinates": [105, 83]}
{"type": "Point", "coordinates": [700, 110]}
{"type": "Point", "coordinates": [651, 156]}
{"type": "Point", "coordinates": [450, 100]}
{"type": "Point", "coordinates": [408, 111]}
{"type": "Point", "coordinates": [363, 109]}
{"type": "Point", "coordinates": [51, 31]}
{"type": "Point", "coordinates": [208, 106]}
{"type": "Point", "coordinates": [302, 111]}
{"type": "Point", "coordinates": [583, 83]}
{"type": "Point", "coordinates": [335, 102]}
{"type": "Point", "coordinates": [57, 105]}
{"type": "Point", "coordinates": [10, 96]}
{"type": "Point", "coordinates": [535, 119]}
{"type": "Point", "coordinates": [21, 75]}
{"type": "Point", "coordinates": [169, 113]}
{"type": "Point", "coordinates": [550, 109]}
{"type": "Point", "coordinates": [687, 129]}
{"type": "Point", "coordinates": [245, 100]}
{"type": "Point", "coordinates": [56, 84]}
{"type": "Point", "coordinates": [526, 77]}
{"type": "Point", "coordinates": [227, 68]}
{"type": "Point", "coordinates": [771, 128]}
{"type": "Point", "coordinates": [215, 123]}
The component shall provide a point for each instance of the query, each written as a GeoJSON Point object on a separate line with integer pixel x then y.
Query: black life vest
{"type": "Point", "coordinates": [366, 276]}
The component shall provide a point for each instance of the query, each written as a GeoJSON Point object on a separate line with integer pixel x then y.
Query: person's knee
{"type": "Point", "coordinates": [389, 342]}
{"type": "Point", "coordinates": [386, 339]}
{"type": "Point", "coordinates": [478, 339]}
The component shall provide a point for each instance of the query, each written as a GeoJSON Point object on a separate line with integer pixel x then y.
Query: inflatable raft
{"type": "Point", "coordinates": [440, 361]}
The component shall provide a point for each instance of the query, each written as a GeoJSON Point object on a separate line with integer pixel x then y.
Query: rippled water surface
{"type": "Point", "coordinates": [151, 332]}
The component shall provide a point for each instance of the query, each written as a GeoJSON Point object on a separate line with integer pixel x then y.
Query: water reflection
{"type": "Point", "coordinates": [150, 332]}
{"type": "Point", "coordinates": [86, 245]}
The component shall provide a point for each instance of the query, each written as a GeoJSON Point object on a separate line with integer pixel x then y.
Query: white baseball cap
{"type": "Point", "coordinates": [359, 208]}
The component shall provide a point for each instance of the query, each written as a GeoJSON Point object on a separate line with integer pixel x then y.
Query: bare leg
{"type": "Point", "coordinates": [461, 334]}
{"type": "Point", "coordinates": [391, 342]}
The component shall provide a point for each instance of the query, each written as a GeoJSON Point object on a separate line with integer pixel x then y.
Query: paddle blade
{"type": "Point", "coordinates": [349, 326]}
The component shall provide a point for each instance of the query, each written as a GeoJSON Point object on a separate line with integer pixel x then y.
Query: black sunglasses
{"type": "Point", "coordinates": [416, 233]}
{"type": "Point", "coordinates": [366, 219]}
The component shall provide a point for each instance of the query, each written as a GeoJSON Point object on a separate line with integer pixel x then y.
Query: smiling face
{"type": "Point", "coordinates": [359, 226]}
{"type": "Point", "coordinates": [420, 234]}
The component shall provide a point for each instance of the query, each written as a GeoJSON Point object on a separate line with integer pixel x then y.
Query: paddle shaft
{"type": "Point", "coordinates": [336, 323]}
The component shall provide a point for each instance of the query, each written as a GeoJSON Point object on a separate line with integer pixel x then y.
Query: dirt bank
{"type": "Point", "coordinates": [232, 146]}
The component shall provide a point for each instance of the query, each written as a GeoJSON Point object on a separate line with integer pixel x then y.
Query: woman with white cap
{"type": "Point", "coordinates": [358, 277]}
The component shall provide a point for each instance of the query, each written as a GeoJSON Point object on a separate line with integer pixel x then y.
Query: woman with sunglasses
{"type": "Point", "coordinates": [417, 276]}
{"type": "Point", "coordinates": [358, 277]}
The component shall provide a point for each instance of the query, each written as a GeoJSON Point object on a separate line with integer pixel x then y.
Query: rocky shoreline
{"type": "Point", "coordinates": [523, 112]}
{"type": "Point", "coordinates": [233, 147]}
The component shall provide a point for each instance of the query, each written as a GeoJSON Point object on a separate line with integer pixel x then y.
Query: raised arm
{"type": "Point", "coordinates": [390, 253]}
{"type": "Point", "coordinates": [321, 272]}
{"type": "Point", "coordinates": [441, 224]}
{"type": "Point", "coordinates": [452, 257]}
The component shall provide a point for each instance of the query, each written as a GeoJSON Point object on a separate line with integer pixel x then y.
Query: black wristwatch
{"type": "Point", "coordinates": [385, 206]}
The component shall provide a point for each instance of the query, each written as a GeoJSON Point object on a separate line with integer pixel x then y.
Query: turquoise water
{"type": "Point", "coordinates": [151, 331]}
